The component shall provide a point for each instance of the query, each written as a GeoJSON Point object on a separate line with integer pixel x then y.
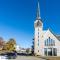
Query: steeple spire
{"type": "Point", "coordinates": [38, 11]}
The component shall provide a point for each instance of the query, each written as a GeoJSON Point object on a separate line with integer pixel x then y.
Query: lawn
{"type": "Point", "coordinates": [51, 58]}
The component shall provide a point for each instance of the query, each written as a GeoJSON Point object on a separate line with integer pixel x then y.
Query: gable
{"type": "Point", "coordinates": [50, 34]}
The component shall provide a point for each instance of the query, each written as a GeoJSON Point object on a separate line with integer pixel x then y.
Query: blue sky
{"type": "Point", "coordinates": [17, 19]}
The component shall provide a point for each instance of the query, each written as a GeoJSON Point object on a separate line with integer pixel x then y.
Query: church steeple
{"type": "Point", "coordinates": [38, 11]}
{"type": "Point", "coordinates": [38, 23]}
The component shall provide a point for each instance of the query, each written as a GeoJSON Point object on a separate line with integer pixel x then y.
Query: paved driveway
{"type": "Point", "coordinates": [27, 58]}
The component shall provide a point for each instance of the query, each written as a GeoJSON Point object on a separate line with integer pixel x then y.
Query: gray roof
{"type": "Point", "coordinates": [58, 37]}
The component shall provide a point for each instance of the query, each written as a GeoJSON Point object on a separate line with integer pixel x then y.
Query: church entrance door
{"type": "Point", "coordinates": [50, 51]}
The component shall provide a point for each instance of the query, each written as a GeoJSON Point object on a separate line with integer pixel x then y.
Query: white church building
{"type": "Point", "coordinates": [45, 42]}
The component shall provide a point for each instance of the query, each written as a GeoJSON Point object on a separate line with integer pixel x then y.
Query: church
{"type": "Point", "coordinates": [45, 42]}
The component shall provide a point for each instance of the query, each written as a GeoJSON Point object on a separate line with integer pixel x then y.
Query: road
{"type": "Point", "coordinates": [27, 58]}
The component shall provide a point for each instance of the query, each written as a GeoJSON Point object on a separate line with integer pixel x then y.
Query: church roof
{"type": "Point", "coordinates": [58, 37]}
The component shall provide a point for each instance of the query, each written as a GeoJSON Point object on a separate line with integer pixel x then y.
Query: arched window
{"type": "Point", "coordinates": [49, 42]}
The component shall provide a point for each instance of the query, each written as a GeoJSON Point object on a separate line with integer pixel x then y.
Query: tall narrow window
{"type": "Point", "coordinates": [38, 36]}
{"type": "Point", "coordinates": [38, 42]}
{"type": "Point", "coordinates": [45, 42]}
{"type": "Point", "coordinates": [45, 51]}
{"type": "Point", "coordinates": [49, 42]}
{"type": "Point", "coordinates": [38, 33]}
{"type": "Point", "coordinates": [38, 50]}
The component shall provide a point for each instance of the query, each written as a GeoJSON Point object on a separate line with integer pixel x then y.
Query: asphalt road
{"type": "Point", "coordinates": [27, 58]}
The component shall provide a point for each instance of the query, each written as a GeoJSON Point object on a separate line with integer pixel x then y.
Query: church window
{"type": "Point", "coordinates": [45, 43]}
{"type": "Point", "coordinates": [54, 42]}
{"type": "Point", "coordinates": [45, 51]}
{"type": "Point", "coordinates": [38, 33]}
{"type": "Point", "coordinates": [38, 36]}
{"type": "Point", "coordinates": [38, 29]}
{"type": "Point", "coordinates": [38, 50]}
{"type": "Point", "coordinates": [49, 42]}
{"type": "Point", "coordinates": [38, 42]}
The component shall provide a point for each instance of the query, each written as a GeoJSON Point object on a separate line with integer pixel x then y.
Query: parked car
{"type": "Point", "coordinates": [11, 55]}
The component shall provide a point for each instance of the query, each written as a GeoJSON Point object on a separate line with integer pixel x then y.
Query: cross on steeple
{"type": "Point", "coordinates": [38, 11]}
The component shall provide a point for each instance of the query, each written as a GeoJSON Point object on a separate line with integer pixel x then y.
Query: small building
{"type": "Point", "coordinates": [19, 49]}
{"type": "Point", "coordinates": [23, 50]}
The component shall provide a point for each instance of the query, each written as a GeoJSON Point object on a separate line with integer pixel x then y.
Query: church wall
{"type": "Point", "coordinates": [40, 36]}
{"type": "Point", "coordinates": [57, 42]}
